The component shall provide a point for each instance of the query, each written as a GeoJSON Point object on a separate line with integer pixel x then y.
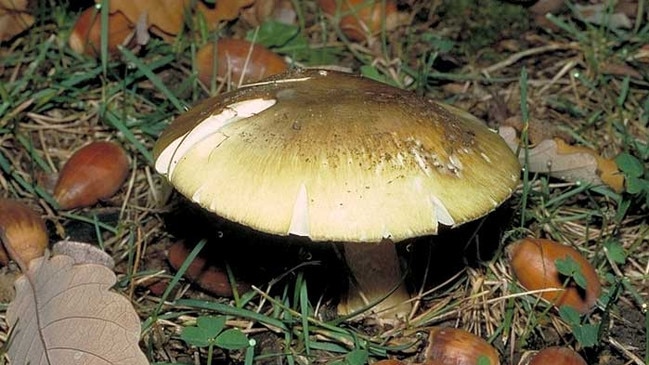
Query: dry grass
{"type": "Point", "coordinates": [586, 83]}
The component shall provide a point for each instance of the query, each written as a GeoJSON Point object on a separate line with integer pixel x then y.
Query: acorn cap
{"type": "Point", "coordinates": [336, 157]}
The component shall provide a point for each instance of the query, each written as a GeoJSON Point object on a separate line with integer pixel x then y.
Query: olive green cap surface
{"type": "Point", "coordinates": [336, 157]}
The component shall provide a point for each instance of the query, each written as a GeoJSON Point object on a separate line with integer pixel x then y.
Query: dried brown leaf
{"type": "Point", "coordinates": [620, 69]}
{"type": "Point", "coordinates": [166, 17]}
{"type": "Point", "coordinates": [566, 162]}
{"type": "Point", "coordinates": [362, 19]}
{"type": "Point", "coordinates": [256, 14]}
{"type": "Point", "coordinates": [65, 314]}
{"type": "Point", "coordinates": [83, 253]}
{"type": "Point", "coordinates": [606, 171]}
{"type": "Point", "coordinates": [14, 18]}
{"type": "Point", "coordinates": [86, 34]}
{"type": "Point", "coordinates": [599, 14]}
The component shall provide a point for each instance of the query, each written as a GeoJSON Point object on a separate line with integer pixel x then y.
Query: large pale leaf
{"type": "Point", "coordinates": [14, 18]}
{"type": "Point", "coordinates": [563, 161]}
{"type": "Point", "coordinates": [64, 313]}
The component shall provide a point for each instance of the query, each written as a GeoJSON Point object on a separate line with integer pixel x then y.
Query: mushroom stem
{"type": "Point", "coordinates": [376, 273]}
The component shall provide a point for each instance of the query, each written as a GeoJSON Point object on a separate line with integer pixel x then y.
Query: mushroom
{"type": "Point", "coordinates": [339, 158]}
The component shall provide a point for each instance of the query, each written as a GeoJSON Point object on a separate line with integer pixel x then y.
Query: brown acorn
{"type": "Point", "coordinates": [238, 59]}
{"type": "Point", "coordinates": [533, 262]}
{"type": "Point", "coordinates": [22, 232]}
{"type": "Point", "coordinates": [557, 355]}
{"type": "Point", "coordinates": [94, 172]}
{"type": "Point", "coordinates": [452, 346]}
{"type": "Point", "coordinates": [389, 362]}
{"type": "Point", "coordinates": [207, 276]}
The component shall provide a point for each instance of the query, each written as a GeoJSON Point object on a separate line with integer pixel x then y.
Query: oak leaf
{"type": "Point", "coordinates": [64, 313]}
{"type": "Point", "coordinates": [166, 17]}
{"type": "Point", "coordinates": [566, 162]}
{"type": "Point", "coordinates": [86, 34]}
{"type": "Point", "coordinates": [14, 18]}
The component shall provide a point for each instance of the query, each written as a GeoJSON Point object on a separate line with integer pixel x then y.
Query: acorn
{"type": "Point", "coordinates": [557, 355]}
{"type": "Point", "coordinates": [22, 232]}
{"type": "Point", "coordinates": [533, 263]}
{"type": "Point", "coordinates": [206, 275]}
{"type": "Point", "coordinates": [389, 362]}
{"type": "Point", "coordinates": [238, 59]}
{"type": "Point", "coordinates": [453, 346]}
{"type": "Point", "coordinates": [93, 173]}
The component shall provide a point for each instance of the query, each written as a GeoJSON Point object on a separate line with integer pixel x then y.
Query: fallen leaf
{"type": "Point", "coordinates": [83, 253]}
{"type": "Point", "coordinates": [566, 162]}
{"type": "Point", "coordinates": [537, 129]}
{"type": "Point", "coordinates": [262, 11]}
{"type": "Point", "coordinates": [14, 18]}
{"type": "Point", "coordinates": [65, 314]}
{"type": "Point", "coordinates": [600, 14]}
{"type": "Point", "coordinates": [362, 19]}
{"type": "Point", "coordinates": [620, 69]}
{"type": "Point", "coordinates": [167, 17]}
{"type": "Point", "coordinates": [606, 169]}
{"type": "Point", "coordinates": [86, 34]}
{"type": "Point", "coordinates": [256, 14]}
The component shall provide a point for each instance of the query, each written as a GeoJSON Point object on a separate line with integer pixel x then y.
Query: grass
{"type": "Point", "coordinates": [588, 81]}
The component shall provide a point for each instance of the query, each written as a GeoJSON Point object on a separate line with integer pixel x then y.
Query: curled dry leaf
{"type": "Point", "coordinates": [563, 161]}
{"type": "Point", "coordinates": [167, 17]}
{"type": "Point", "coordinates": [22, 232]}
{"type": "Point", "coordinates": [261, 11]}
{"type": "Point", "coordinates": [238, 61]}
{"type": "Point", "coordinates": [65, 314]}
{"type": "Point", "coordinates": [86, 34]}
{"type": "Point", "coordinates": [606, 170]}
{"type": "Point", "coordinates": [207, 276]}
{"type": "Point", "coordinates": [620, 69]}
{"type": "Point", "coordinates": [14, 18]}
{"type": "Point", "coordinates": [361, 19]}
{"type": "Point", "coordinates": [600, 14]}
{"type": "Point", "coordinates": [533, 263]}
{"type": "Point", "coordinates": [94, 172]}
{"type": "Point", "coordinates": [537, 129]}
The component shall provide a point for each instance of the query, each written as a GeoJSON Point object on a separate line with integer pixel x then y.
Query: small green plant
{"type": "Point", "coordinates": [570, 268]}
{"type": "Point", "coordinates": [587, 334]}
{"type": "Point", "coordinates": [636, 176]}
{"type": "Point", "coordinates": [209, 332]}
{"type": "Point", "coordinates": [354, 357]}
{"type": "Point", "coordinates": [289, 40]}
